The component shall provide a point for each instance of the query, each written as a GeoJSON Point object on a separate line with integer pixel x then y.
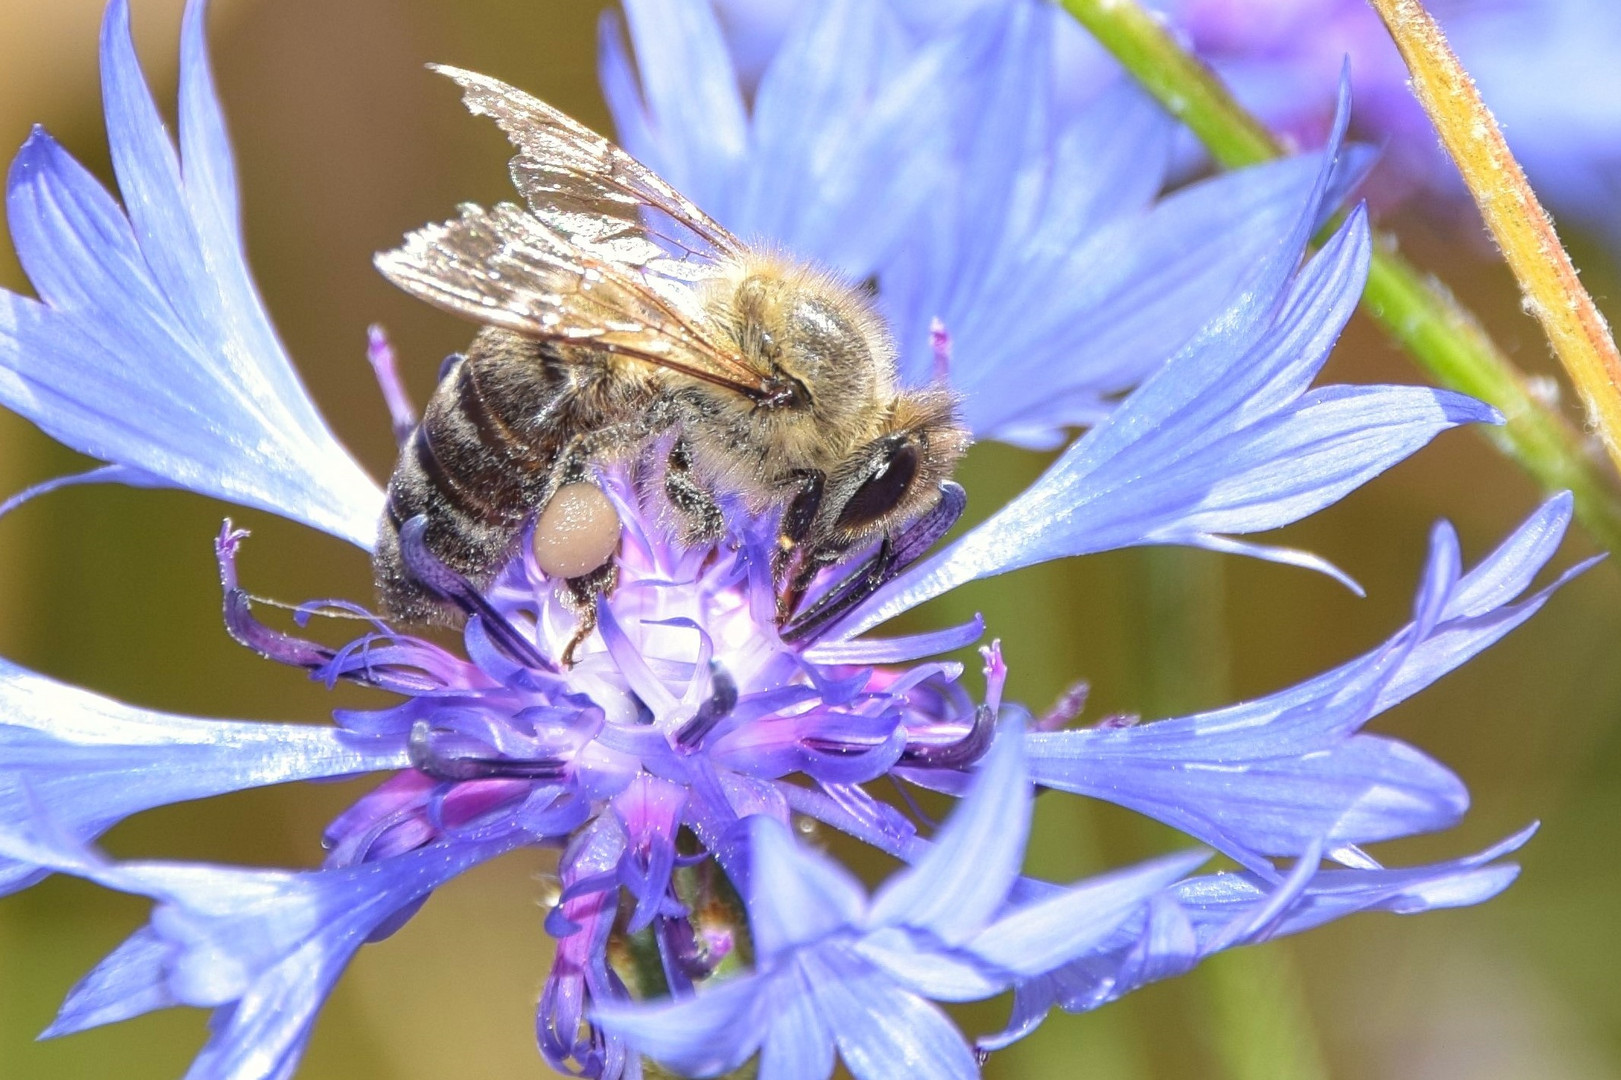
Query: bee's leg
{"type": "Point", "coordinates": [797, 518]}
{"type": "Point", "coordinates": [894, 554]}
{"type": "Point", "coordinates": [582, 595]}
{"type": "Point", "coordinates": [701, 519]}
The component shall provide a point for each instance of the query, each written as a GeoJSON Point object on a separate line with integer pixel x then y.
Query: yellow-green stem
{"type": "Point", "coordinates": [1553, 292]}
{"type": "Point", "coordinates": [1418, 313]}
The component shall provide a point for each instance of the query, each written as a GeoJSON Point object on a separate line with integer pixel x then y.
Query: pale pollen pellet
{"type": "Point", "coordinates": [577, 532]}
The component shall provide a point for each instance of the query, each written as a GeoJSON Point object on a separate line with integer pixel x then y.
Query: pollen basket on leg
{"type": "Point", "coordinates": [577, 532]}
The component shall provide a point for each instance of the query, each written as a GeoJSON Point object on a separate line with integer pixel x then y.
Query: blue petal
{"type": "Point", "coordinates": [1212, 441]}
{"type": "Point", "coordinates": [157, 307]}
{"type": "Point", "coordinates": [807, 103]}
{"type": "Point", "coordinates": [1271, 776]}
{"type": "Point", "coordinates": [1049, 246]}
{"type": "Point", "coordinates": [896, 650]}
{"type": "Point", "coordinates": [1162, 944]}
{"type": "Point", "coordinates": [798, 1044]}
{"type": "Point", "coordinates": [954, 889]}
{"type": "Point", "coordinates": [1116, 304]}
{"type": "Point", "coordinates": [795, 896]}
{"type": "Point", "coordinates": [1477, 612]}
{"type": "Point", "coordinates": [1212, 902]}
{"type": "Point", "coordinates": [693, 106]}
{"type": "Point", "coordinates": [846, 141]}
{"type": "Point", "coordinates": [262, 947]}
{"type": "Point", "coordinates": [883, 1031]}
{"type": "Point", "coordinates": [916, 961]}
{"type": "Point", "coordinates": [1195, 918]}
{"type": "Point", "coordinates": [128, 983]}
{"type": "Point", "coordinates": [1049, 933]}
{"type": "Point", "coordinates": [205, 147]}
{"type": "Point", "coordinates": [707, 1034]}
{"type": "Point", "coordinates": [89, 762]}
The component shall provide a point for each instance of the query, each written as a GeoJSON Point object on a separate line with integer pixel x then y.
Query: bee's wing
{"type": "Point", "coordinates": [506, 268]}
{"type": "Point", "coordinates": [587, 188]}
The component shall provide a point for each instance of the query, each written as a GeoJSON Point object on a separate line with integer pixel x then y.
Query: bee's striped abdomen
{"type": "Point", "coordinates": [480, 461]}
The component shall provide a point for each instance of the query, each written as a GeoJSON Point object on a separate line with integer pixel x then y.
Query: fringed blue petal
{"type": "Point", "coordinates": [156, 306]}
{"type": "Point", "coordinates": [1272, 776]}
{"type": "Point", "coordinates": [89, 762]}
{"type": "Point", "coordinates": [1040, 936]}
{"type": "Point", "coordinates": [693, 106]}
{"type": "Point", "coordinates": [263, 948]}
{"type": "Point", "coordinates": [881, 1030]}
{"type": "Point", "coordinates": [795, 897]}
{"type": "Point", "coordinates": [1223, 439]}
{"type": "Point", "coordinates": [953, 891]}
{"type": "Point", "coordinates": [707, 1034]}
{"type": "Point", "coordinates": [1196, 918]}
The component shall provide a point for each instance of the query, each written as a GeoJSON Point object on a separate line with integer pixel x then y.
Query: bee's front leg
{"type": "Point", "coordinates": [699, 513]}
{"type": "Point", "coordinates": [798, 516]}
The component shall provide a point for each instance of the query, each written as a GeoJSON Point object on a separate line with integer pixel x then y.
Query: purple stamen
{"type": "Point", "coordinates": [1066, 710]}
{"type": "Point", "coordinates": [722, 700]}
{"type": "Point", "coordinates": [955, 755]}
{"type": "Point", "coordinates": [679, 952]}
{"type": "Point", "coordinates": [240, 622]}
{"type": "Point", "coordinates": [940, 345]}
{"type": "Point", "coordinates": [385, 366]}
{"type": "Point", "coordinates": [450, 755]}
{"type": "Point", "coordinates": [445, 583]}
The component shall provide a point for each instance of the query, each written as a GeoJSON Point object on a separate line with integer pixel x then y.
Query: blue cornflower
{"type": "Point", "coordinates": [665, 762]}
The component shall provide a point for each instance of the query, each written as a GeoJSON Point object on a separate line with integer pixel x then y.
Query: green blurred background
{"type": "Point", "coordinates": [344, 142]}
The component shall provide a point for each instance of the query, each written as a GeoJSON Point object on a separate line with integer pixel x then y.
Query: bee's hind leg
{"type": "Point", "coordinates": [576, 536]}
{"type": "Point", "coordinates": [581, 595]}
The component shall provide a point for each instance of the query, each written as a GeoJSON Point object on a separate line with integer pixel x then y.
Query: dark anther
{"type": "Point", "coordinates": [446, 584]}
{"type": "Point", "coordinates": [679, 952]}
{"type": "Point", "coordinates": [960, 754]}
{"type": "Point", "coordinates": [722, 700]}
{"type": "Point", "coordinates": [429, 755]}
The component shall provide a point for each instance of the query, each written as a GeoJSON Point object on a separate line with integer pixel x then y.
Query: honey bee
{"type": "Point", "coordinates": [620, 321]}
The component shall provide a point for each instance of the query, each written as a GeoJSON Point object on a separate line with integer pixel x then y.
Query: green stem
{"type": "Point", "coordinates": [1260, 1026]}
{"type": "Point", "coordinates": [1416, 311]}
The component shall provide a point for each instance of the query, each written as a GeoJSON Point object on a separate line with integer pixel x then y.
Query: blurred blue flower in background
{"type": "Point", "coordinates": [666, 762]}
{"type": "Point", "coordinates": [1545, 67]}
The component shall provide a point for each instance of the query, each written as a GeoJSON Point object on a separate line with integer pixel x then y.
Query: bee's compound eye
{"type": "Point", "coordinates": [577, 532]}
{"type": "Point", "coordinates": [882, 491]}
